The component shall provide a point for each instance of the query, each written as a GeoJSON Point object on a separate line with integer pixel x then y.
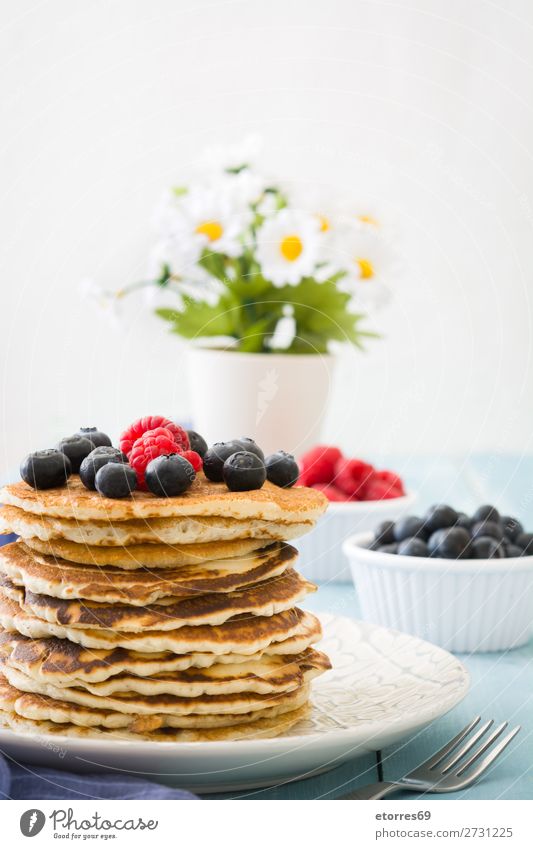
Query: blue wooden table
{"type": "Point", "coordinates": [501, 683]}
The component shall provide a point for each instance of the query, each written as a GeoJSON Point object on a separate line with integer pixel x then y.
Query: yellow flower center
{"type": "Point", "coordinates": [212, 229]}
{"type": "Point", "coordinates": [368, 219]}
{"type": "Point", "coordinates": [366, 269]}
{"type": "Point", "coordinates": [324, 223]}
{"type": "Point", "coordinates": [291, 248]}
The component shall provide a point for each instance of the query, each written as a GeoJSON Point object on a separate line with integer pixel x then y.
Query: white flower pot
{"type": "Point", "coordinates": [277, 399]}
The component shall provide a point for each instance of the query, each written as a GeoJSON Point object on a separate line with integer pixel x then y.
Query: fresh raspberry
{"type": "Point", "coordinates": [194, 459]}
{"type": "Point", "coordinates": [331, 492]}
{"type": "Point", "coordinates": [318, 465]}
{"type": "Point", "coordinates": [381, 485]}
{"type": "Point", "coordinates": [381, 490]}
{"type": "Point", "coordinates": [138, 428]}
{"type": "Point", "coordinates": [152, 444]}
{"type": "Point", "coordinates": [351, 477]}
{"type": "Point", "coordinates": [343, 479]}
{"type": "Point", "coordinates": [394, 479]}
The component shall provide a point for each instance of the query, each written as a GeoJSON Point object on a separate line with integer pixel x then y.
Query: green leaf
{"type": "Point", "coordinates": [215, 264]}
{"type": "Point", "coordinates": [308, 343]}
{"type": "Point", "coordinates": [237, 169]}
{"type": "Point", "coordinates": [258, 334]}
{"type": "Point", "coordinates": [178, 191]}
{"type": "Point", "coordinates": [198, 318]}
{"type": "Point", "coordinates": [167, 314]}
{"type": "Point", "coordinates": [165, 276]}
{"type": "Point", "coordinates": [250, 288]}
{"type": "Point", "coordinates": [250, 307]}
{"type": "Point", "coordinates": [321, 313]}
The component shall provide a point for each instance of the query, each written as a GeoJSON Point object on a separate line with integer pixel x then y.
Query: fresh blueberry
{"type": "Point", "coordinates": [95, 460]}
{"type": "Point", "coordinates": [249, 444]}
{"type": "Point", "coordinates": [384, 533]}
{"type": "Point", "coordinates": [197, 443]}
{"type": "Point", "coordinates": [45, 469]}
{"type": "Point", "coordinates": [486, 548]}
{"type": "Point", "coordinates": [76, 448]}
{"type": "Point", "coordinates": [487, 529]}
{"type": "Point", "coordinates": [216, 456]}
{"type": "Point", "coordinates": [243, 471]}
{"type": "Point", "coordinates": [390, 548]}
{"type": "Point", "coordinates": [463, 521]}
{"type": "Point", "coordinates": [169, 475]}
{"type": "Point", "coordinates": [486, 513]}
{"type": "Point", "coordinates": [511, 527]}
{"type": "Point", "coordinates": [439, 516]}
{"type": "Point", "coordinates": [525, 542]}
{"type": "Point", "coordinates": [451, 543]}
{"type": "Point", "coordinates": [96, 436]}
{"type": "Point", "coordinates": [512, 550]}
{"type": "Point", "coordinates": [116, 480]}
{"type": "Point", "coordinates": [282, 469]}
{"type": "Point", "coordinates": [410, 526]}
{"type": "Point", "coordinates": [413, 547]}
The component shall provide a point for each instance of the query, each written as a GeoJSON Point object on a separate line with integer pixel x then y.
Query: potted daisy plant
{"type": "Point", "coordinates": [263, 281]}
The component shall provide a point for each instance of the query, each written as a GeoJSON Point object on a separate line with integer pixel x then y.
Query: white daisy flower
{"type": "Point", "coordinates": [372, 215]}
{"type": "Point", "coordinates": [268, 205]}
{"type": "Point", "coordinates": [179, 254]}
{"type": "Point", "coordinates": [240, 190]}
{"type": "Point", "coordinates": [317, 201]}
{"type": "Point", "coordinates": [370, 263]}
{"type": "Point", "coordinates": [106, 302]}
{"type": "Point", "coordinates": [207, 218]}
{"type": "Point", "coordinates": [288, 247]}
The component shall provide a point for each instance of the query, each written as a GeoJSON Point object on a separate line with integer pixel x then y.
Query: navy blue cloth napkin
{"type": "Point", "coordinates": [25, 781]}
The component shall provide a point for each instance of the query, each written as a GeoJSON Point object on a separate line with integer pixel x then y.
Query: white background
{"type": "Point", "coordinates": [422, 106]}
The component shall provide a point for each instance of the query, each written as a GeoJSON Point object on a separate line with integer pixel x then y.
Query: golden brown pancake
{"type": "Point", "coordinates": [263, 599]}
{"type": "Point", "coordinates": [138, 704]}
{"type": "Point", "coordinates": [39, 707]}
{"type": "Point", "coordinates": [149, 555]}
{"type": "Point", "coordinates": [168, 619]}
{"type": "Point", "coordinates": [168, 530]}
{"type": "Point", "coordinates": [61, 662]}
{"type": "Point", "coordinates": [240, 635]}
{"type": "Point", "coordinates": [204, 498]}
{"type": "Point", "coordinates": [278, 722]}
{"type": "Point", "coordinates": [268, 674]}
{"type": "Point", "coordinates": [47, 576]}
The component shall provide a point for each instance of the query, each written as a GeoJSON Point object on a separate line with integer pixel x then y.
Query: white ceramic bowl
{"type": "Point", "coordinates": [461, 605]}
{"type": "Point", "coordinates": [321, 557]}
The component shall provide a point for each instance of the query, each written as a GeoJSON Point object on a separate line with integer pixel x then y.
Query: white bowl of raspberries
{"type": "Point", "coordinates": [462, 582]}
{"type": "Point", "coordinates": [360, 497]}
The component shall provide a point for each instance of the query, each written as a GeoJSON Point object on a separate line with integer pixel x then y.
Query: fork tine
{"type": "Point", "coordinates": [438, 756]}
{"type": "Point", "coordinates": [491, 757]}
{"type": "Point", "coordinates": [470, 743]}
{"type": "Point", "coordinates": [486, 744]}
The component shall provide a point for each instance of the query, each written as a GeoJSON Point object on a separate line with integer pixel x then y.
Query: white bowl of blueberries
{"type": "Point", "coordinates": [462, 582]}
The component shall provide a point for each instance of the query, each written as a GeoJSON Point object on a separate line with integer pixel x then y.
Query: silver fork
{"type": "Point", "coordinates": [448, 770]}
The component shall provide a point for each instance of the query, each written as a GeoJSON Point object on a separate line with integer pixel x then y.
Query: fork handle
{"type": "Point", "coordinates": [374, 791]}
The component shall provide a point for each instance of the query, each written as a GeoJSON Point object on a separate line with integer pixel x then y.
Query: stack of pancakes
{"type": "Point", "coordinates": [156, 618]}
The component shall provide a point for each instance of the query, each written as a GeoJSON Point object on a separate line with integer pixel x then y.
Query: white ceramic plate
{"type": "Point", "coordinates": [383, 686]}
